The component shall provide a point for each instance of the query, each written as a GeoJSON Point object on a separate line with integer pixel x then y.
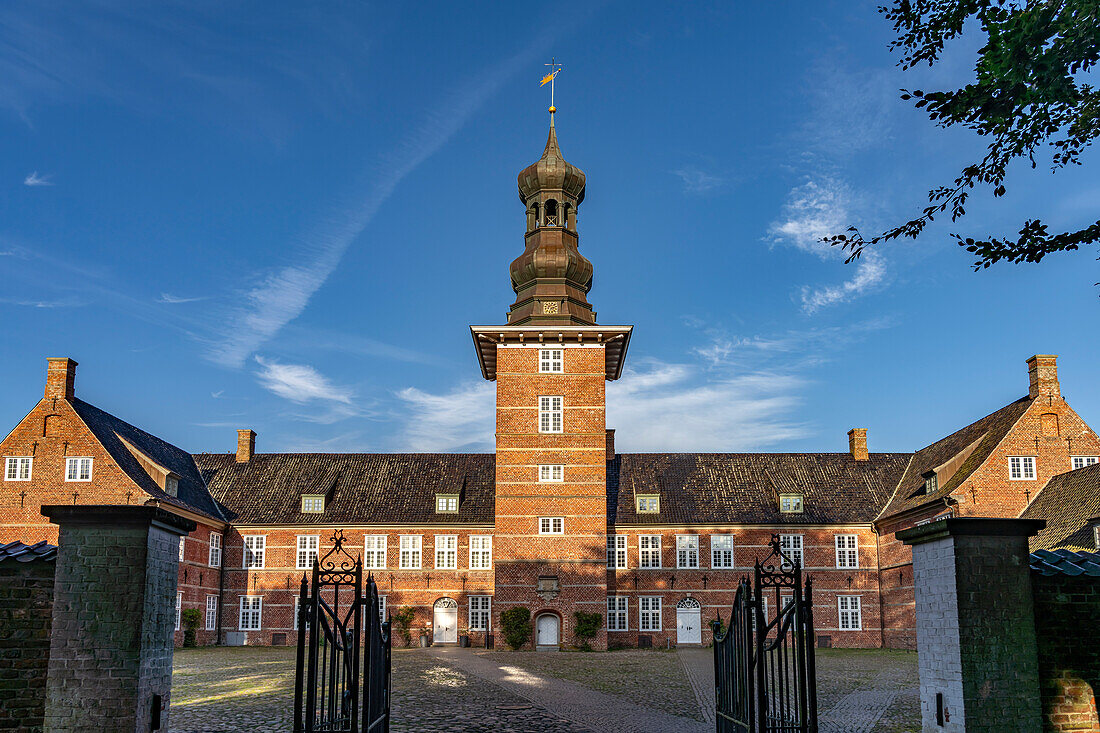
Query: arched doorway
{"type": "Point", "coordinates": [689, 622]}
{"type": "Point", "coordinates": [547, 631]}
{"type": "Point", "coordinates": [445, 621]}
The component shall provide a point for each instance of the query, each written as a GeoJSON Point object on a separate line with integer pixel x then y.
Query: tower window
{"type": "Point", "coordinates": [553, 472]}
{"type": "Point", "coordinates": [550, 414]}
{"type": "Point", "coordinates": [551, 213]}
{"type": "Point", "coordinates": [550, 361]}
{"type": "Point", "coordinates": [551, 525]}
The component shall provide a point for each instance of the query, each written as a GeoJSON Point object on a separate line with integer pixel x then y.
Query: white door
{"type": "Point", "coordinates": [688, 626]}
{"type": "Point", "coordinates": [446, 623]}
{"type": "Point", "coordinates": [546, 630]}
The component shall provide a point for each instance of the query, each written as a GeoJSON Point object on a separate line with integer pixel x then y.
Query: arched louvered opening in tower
{"type": "Point", "coordinates": [551, 214]}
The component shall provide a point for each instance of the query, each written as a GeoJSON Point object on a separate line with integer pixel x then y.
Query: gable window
{"type": "Point", "coordinates": [552, 472]}
{"type": "Point", "coordinates": [251, 612]}
{"type": "Point", "coordinates": [410, 552]}
{"type": "Point", "coordinates": [721, 551]}
{"type": "Point", "coordinates": [1076, 462]}
{"type": "Point", "coordinates": [307, 550]}
{"type": "Point", "coordinates": [183, 545]}
{"type": "Point", "coordinates": [1021, 468]}
{"type": "Point", "coordinates": [481, 552]}
{"type": "Point", "coordinates": [649, 551]}
{"type": "Point", "coordinates": [849, 609]}
{"type": "Point", "coordinates": [479, 613]}
{"type": "Point", "coordinates": [551, 525]}
{"type": "Point", "coordinates": [254, 547]}
{"type": "Point", "coordinates": [791, 546]}
{"type": "Point", "coordinates": [649, 504]}
{"type": "Point", "coordinates": [179, 604]}
{"type": "Point", "coordinates": [617, 613]}
{"type": "Point", "coordinates": [78, 469]}
{"type": "Point", "coordinates": [550, 414]}
{"type": "Point", "coordinates": [374, 552]}
{"type": "Point", "coordinates": [649, 613]}
{"type": "Point", "coordinates": [211, 613]}
{"type": "Point", "coordinates": [616, 551]}
{"type": "Point", "coordinates": [687, 551]}
{"type": "Point", "coordinates": [446, 503]}
{"type": "Point", "coordinates": [847, 551]}
{"type": "Point", "coordinates": [313, 504]}
{"type": "Point", "coordinates": [550, 361]}
{"type": "Point", "coordinates": [214, 554]}
{"type": "Point", "coordinates": [790, 503]}
{"type": "Point", "coordinates": [446, 551]}
{"type": "Point", "coordinates": [17, 468]}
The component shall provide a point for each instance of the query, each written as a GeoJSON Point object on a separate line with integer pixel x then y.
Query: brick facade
{"type": "Point", "coordinates": [1067, 612]}
{"type": "Point", "coordinates": [26, 611]}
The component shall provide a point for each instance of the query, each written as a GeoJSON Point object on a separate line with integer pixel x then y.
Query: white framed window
{"type": "Point", "coordinates": [446, 503]}
{"type": "Point", "coordinates": [179, 606]}
{"type": "Point", "coordinates": [648, 503]}
{"type": "Point", "coordinates": [183, 546]}
{"type": "Point", "coordinates": [78, 469]}
{"type": "Point", "coordinates": [551, 525]}
{"type": "Point", "coordinates": [1096, 536]}
{"type": "Point", "coordinates": [764, 609]}
{"type": "Point", "coordinates": [307, 550]}
{"type": "Point", "coordinates": [17, 468]}
{"type": "Point", "coordinates": [616, 551]}
{"type": "Point", "coordinates": [550, 361]}
{"type": "Point", "coordinates": [211, 613]}
{"type": "Point", "coordinates": [313, 504]}
{"type": "Point", "coordinates": [251, 613]}
{"type": "Point", "coordinates": [550, 414]}
{"type": "Point", "coordinates": [255, 546]}
{"type": "Point", "coordinates": [551, 472]}
{"type": "Point", "coordinates": [410, 552]}
{"type": "Point", "coordinates": [297, 610]}
{"type": "Point", "coordinates": [481, 551]}
{"type": "Point", "coordinates": [617, 615]}
{"type": "Point", "coordinates": [479, 613]}
{"type": "Point", "coordinates": [1075, 461]}
{"type": "Point", "coordinates": [847, 551]}
{"type": "Point", "coordinates": [374, 552]}
{"type": "Point", "coordinates": [791, 546]}
{"type": "Point", "coordinates": [687, 551]}
{"type": "Point", "coordinates": [790, 503]}
{"type": "Point", "coordinates": [1021, 468]}
{"type": "Point", "coordinates": [382, 608]}
{"type": "Point", "coordinates": [214, 553]}
{"type": "Point", "coordinates": [649, 551]}
{"type": "Point", "coordinates": [721, 551]}
{"type": "Point", "coordinates": [649, 613]}
{"type": "Point", "coordinates": [446, 551]}
{"type": "Point", "coordinates": [848, 607]}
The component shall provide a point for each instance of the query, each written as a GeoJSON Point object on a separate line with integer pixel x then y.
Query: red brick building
{"type": "Point", "coordinates": [555, 520]}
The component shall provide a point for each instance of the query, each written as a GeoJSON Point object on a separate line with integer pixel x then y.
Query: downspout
{"type": "Point", "coordinates": [881, 607]}
{"type": "Point", "coordinates": [221, 586]}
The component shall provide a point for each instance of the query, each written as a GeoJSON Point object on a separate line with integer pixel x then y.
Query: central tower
{"type": "Point", "coordinates": [550, 362]}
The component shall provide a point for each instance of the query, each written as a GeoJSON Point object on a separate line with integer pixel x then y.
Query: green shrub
{"type": "Point", "coordinates": [402, 620]}
{"type": "Point", "coordinates": [588, 625]}
{"type": "Point", "coordinates": [190, 619]}
{"type": "Point", "coordinates": [515, 623]}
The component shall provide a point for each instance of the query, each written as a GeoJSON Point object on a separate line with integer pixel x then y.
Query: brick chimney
{"type": "Point", "coordinates": [857, 443]}
{"type": "Point", "coordinates": [60, 378]}
{"type": "Point", "coordinates": [1042, 374]}
{"type": "Point", "coordinates": [246, 445]}
{"type": "Point", "coordinates": [610, 444]}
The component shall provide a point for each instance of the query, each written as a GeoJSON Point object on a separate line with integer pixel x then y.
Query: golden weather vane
{"type": "Point", "coordinates": [555, 69]}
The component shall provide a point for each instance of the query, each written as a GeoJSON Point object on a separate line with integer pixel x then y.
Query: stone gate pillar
{"type": "Point", "coordinates": [114, 614]}
{"type": "Point", "coordinates": [976, 641]}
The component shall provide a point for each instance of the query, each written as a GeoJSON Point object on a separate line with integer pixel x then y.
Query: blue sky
{"type": "Point", "coordinates": [285, 215]}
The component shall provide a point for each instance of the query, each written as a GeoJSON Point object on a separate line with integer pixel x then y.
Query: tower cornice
{"type": "Point", "coordinates": [614, 340]}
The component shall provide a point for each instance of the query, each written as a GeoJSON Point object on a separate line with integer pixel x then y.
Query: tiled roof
{"type": "Point", "coordinates": [1066, 562]}
{"type": "Point", "coordinates": [18, 552]}
{"type": "Point", "coordinates": [111, 431]}
{"type": "Point", "coordinates": [987, 433]}
{"type": "Point", "coordinates": [1067, 503]}
{"type": "Point", "coordinates": [725, 488]}
{"type": "Point", "coordinates": [367, 488]}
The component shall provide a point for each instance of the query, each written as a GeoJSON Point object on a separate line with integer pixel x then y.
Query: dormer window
{"type": "Point", "coordinates": [931, 483]}
{"type": "Point", "coordinates": [446, 503]}
{"type": "Point", "coordinates": [313, 504]}
{"type": "Point", "coordinates": [790, 503]}
{"type": "Point", "coordinates": [171, 485]}
{"type": "Point", "coordinates": [649, 504]}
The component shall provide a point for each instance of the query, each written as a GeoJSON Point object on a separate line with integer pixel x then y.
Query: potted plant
{"type": "Point", "coordinates": [426, 635]}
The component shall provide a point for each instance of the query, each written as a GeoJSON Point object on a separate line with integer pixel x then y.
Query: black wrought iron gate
{"type": "Point", "coordinates": [343, 645]}
{"type": "Point", "coordinates": [764, 673]}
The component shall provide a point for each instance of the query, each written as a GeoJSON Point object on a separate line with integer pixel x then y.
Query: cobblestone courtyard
{"type": "Point", "coordinates": [229, 689]}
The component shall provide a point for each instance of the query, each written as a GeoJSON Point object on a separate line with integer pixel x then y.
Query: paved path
{"type": "Point", "coordinates": [699, 667]}
{"type": "Point", "coordinates": [586, 707]}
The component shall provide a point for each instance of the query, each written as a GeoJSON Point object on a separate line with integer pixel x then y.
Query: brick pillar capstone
{"type": "Point", "coordinates": [113, 617]}
{"type": "Point", "coordinates": [976, 644]}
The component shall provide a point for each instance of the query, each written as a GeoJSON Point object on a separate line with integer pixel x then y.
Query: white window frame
{"type": "Point", "coordinates": [551, 361]}
{"type": "Point", "coordinates": [616, 551]}
{"type": "Point", "coordinates": [551, 525]}
{"type": "Point", "coordinates": [1096, 536]}
{"type": "Point", "coordinates": [649, 551]}
{"type": "Point", "coordinates": [411, 551]}
{"type": "Point", "coordinates": [551, 473]}
{"type": "Point", "coordinates": [251, 609]}
{"type": "Point", "coordinates": [254, 556]}
{"type": "Point", "coordinates": [374, 552]}
{"type": "Point", "coordinates": [179, 608]}
{"type": "Point", "coordinates": [183, 547]}
{"type": "Point", "coordinates": [847, 550]}
{"type": "Point", "coordinates": [687, 551]}
{"type": "Point", "coordinates": [721, 558]}
{"type": "Point", "coordinates": [481, 552]}
{"type": "Point", "coordinates": [649, 613]}
{"type": "Point", "coordinates": [382, 608]}
{"type": "Point", "coordinates": [1076, 462]}
{"type": "Point", "coordinates": [14, 468]}
{"type": "Point", "coordinates": [79, 463]}
{"type": "Point", "coordinates": [313, 503]}
{"type": "Point", "coordinates": [479, 613]}
{"type": "Point", "coordinates": [793, 546]}
{"type": "Point", "coordinates": [297, 608]}
{"type": "Point", "coordinates": [551, 413]}
{"type": "Point", "coordinates": [849, 610]}
{"type": "Point", "coordinates": [1018, 468]}
{"type": "Point", "coordinates": [309, 549]}
{"type": "Point", "coordinates": [214, 551]}
{"type": "Point", "coordinates": [211, 616]}
{"type": "Point", "coordinates": [446, 503]}
{"type": "Point", "coordinates": [647, 504]}
{"type": "Point", "coordinates": [791, 503]}
{"type": "Point", "coordinates": [618, 613]}
{"type": "Point", "coordinates": [446, 552]}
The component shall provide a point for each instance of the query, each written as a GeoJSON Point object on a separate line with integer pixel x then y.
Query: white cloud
{"type": "Point", "coordinates": [299, 383]}
{"type": "Point", "coordinates": [462, 418]}
{"type": "Point", "coordinates": [169, 298]}
{"type": "Point", "coordinates": [870, 273]}
{"type": "Point", "coordinates": [36, 180]}
{"type": "Point", "coordinates": [697, 181]}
